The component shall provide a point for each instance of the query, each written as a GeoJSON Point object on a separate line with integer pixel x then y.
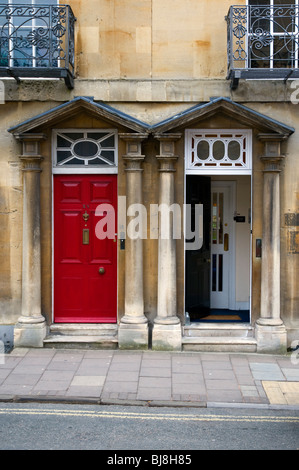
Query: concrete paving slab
{"type": "Point", "coordinates": [221, 385]}
{"type": "Point", "coordinates": [249, 391]}
{"type": "Point", "coordinates": [157, 363]}
{"type": "Point", "coordinates": [150, 372]}
{"type": "Point", "coordinates": [209, 365]}
{"type": "Point", "coordinates": [58, 385]}
{"type": "Point", "coordinates": [14, 389]}
{"type": "Point", "coordinates": [266, 371]}
{"type": "Point", "coordinates": [224, 396]}
{"type": "Point", "coordinates": [62, 356]}
{"type": "Point", "coordinates": [4, 373]}
{"type": "Point", "coordinates": [219, 374]}
{"type": "Point", "coordinates": [124, 366]}
{"type": "Point", "coordinates": [245, 379]}
{"type": "Point", "coordinates": [188, 389]}
{"type": "Point", "coordinates": [98, 354]}
{"type": "Point", "coordinates": [22, 379]}
{"type": "Point", "coordinates": [63, 365]}
{"type": "Point", "coordinates": [291, 374]}
{"type": "Point", "coordinates": [88, 381]}
{"type": "Point", "coordinates": [81, 392]}
{"type": "Point", "coordinates": [187, 378]}
{"type": "Point", "coordinates": [153, 394]}
{"type": "Point", "coordinates": [125, 376]}
{"type": "Point", "coordinates": [118, 387]}
{"type": "Point", "coordinates": [186, 368]}
{"type": "Point", "coordinates": [91, 371]}
{"type": "Point", "coordinates": [57, 375]}
{"type": "Point", "coordinates": [154, 382]}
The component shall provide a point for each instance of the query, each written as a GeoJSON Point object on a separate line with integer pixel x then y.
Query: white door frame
{"type": "Point", "coordinates": [191, 168]}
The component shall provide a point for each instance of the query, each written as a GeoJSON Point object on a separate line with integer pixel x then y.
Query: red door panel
{"type": "Point", "coordinates": [84, 293]}
{"type": "Point", "coordinates": [70, 222]}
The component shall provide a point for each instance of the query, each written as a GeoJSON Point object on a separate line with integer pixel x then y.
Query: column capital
{"type": "Point", "coordinates": [133, 143]}
{"type": "Point", "coordinates": [167, 146]}
{"type": "Point", "coordinates": [31, 163]}
{"type": "Point", "coordinates": [167, 163]}
{"type": "Point", "coordinates": [272, 156]}
{"type": "Point", "coordinates": [31, 156]}
{"type": "Point", "coordinates": [133, 156]}
{"type": "Point", "coordinates": [167, 156]}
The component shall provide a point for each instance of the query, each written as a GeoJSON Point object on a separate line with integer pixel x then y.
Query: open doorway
{"type": "Point", "coordinates": [217, 276]}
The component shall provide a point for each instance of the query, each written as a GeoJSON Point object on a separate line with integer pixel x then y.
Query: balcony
{"type": "Point", "coordinates": [37, 41]}
{"type": "Point", "coordinates": [263, 42]}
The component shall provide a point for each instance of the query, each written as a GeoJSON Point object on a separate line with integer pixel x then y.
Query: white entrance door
{"type": "Point", "coordinates": [222, 245]}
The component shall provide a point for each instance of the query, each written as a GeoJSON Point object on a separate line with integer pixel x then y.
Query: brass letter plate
{"type": "Point", "coordinates": [85, 236]}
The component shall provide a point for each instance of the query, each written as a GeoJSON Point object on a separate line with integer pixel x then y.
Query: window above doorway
{"type": "Point", "coordinates": [218, 151]}
{"type": "Point", "coordinates": [85, 151]}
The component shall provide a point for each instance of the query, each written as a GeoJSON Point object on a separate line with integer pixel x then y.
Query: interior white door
{"type": "Point", "coordinates": [222, 269]}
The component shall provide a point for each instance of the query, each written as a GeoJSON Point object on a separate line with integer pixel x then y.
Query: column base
{"type": "Point", "coordinates": [28, 335]}
{"type": "Point", "coordinates": [167, 337]}
{"type": "Point", "coordinates": [134, 320]}
{"type": "Point", "coordinates": [174, 320]}
{"type": "Point", "coordinates": [271, 339]}
{"type": "Point", "coordinates": [133, 336]}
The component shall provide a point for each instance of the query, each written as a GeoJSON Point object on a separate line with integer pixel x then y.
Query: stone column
{"type": "Point", "coordinates": [270, 330]}
{"type": "Point", "coordinates": [31, 327]}
{"type": "Point", "coordinates": [133, 328]}
{"type": "Point", "coordinates": [167, 330]}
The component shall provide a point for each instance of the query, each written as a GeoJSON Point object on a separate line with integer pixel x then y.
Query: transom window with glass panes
{"type": "Point", "coordinates": [90, 150]}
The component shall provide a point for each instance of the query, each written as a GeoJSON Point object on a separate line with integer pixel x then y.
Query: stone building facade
{"type": "Point", "coordinates": [149, 168]}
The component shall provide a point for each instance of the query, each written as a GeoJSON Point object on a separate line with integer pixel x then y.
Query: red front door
{"type": "Point", "coordinates": [85, 266]}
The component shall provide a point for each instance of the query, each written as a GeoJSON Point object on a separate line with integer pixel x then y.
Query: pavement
{"type": "Point", "coordinates": [149, 378]}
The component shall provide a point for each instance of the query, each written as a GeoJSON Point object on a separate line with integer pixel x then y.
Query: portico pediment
{"type": "Point", "coordinates": [77, 106]}
{"type": "Point", "coordinates": [242, 114]}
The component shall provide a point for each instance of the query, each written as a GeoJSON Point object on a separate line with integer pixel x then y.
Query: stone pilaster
{"type": "Point", "coordinates": [133, 328]}
{"type": "Point", "coordinates": [167, 331]}
{"type": "Point", "coordinates": [31, 327]}
{"type": "Point", "coordinates": [270, 330]}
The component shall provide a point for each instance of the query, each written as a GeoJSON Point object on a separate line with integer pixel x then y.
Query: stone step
{"type": "Point", "coordinates": [80, 329]}
{"type": "Point", "coordinates": [81, 342]}
{"type": "Point", "coordinates": [74, 335]}
{"type": "Point", "coordinates": [220, 329]}
{"type": "Point", "coordinates": [219, 344]}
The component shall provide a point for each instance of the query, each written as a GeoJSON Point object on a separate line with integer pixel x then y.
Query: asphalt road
{"type": "Point", "coordinates": [114, 428]}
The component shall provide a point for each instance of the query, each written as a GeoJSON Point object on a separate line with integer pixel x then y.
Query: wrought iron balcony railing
{"type": "Point", "coordinates": [263, 42]}
{"type": "Point", "coordinates": [37, 41]}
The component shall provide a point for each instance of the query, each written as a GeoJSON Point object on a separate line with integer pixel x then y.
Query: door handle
{"type": "Point", "coordinates": [226, 242]}
{"type": "Point", "coordinates": [102, 270]}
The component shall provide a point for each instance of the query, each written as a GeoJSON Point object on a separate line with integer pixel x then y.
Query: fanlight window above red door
{"type": "Point", "coordinates": [92, 150]}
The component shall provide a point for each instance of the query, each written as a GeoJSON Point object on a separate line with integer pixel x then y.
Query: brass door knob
{"type": "Point", "coordinates": [102, 270]}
